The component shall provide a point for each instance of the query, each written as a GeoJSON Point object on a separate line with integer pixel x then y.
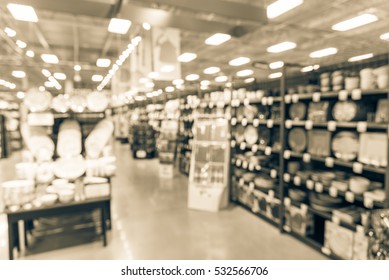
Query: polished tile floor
{"type": "Point", "coordinates": [151, 221]}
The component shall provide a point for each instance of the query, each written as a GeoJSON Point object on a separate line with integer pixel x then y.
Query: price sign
{"type": "Point", "coordinates": [268, 151]}
{"type": "Point", "coordinates": [331, 126]}
{"type": "Point", "coordinates": [306, 158]}
{"type": "Point", "coordinates": [308, 125]}
{"type": "Point", "coordinates": [310, 184]}
{"type": "Point", "coordinates": [244, 121]}
{"type": "Point", "coordinates": [297, 180]}
{"type": "Point", "coordinates": [264, 101]}
{"type": "Point", "coordinates": [254, 148]}
{"type": "Point", "coordinates": [238, 162]}
{"type": "Point", "coordinates": [368, 202]}
{"type": "Point", "coordinates": [243, 145]}
{"type": "Point", "coordinates": [234, 121]}
{"type": "Point", "coordinates": [319, 187]}
{"type": "Point", "coordinates": [288, 99]}
{"type": "Point", "coordinates": [288, 124]}
{"type": "Point", "coordinates": [361, 127]}
{"type": "Point", "coordinates": [356, 94]}
{"type": "Point", "coordinates": [357, 167]}
{"type": "Point", "coordinates": [287, 154]}
{"type": "Point", "coordinates": [256, 122]}
{"type": "Point", "coordinates": [273, 173]}
{"type": "Point", "coordinates": [246, 101]}
{"type": "Point", "coordinates": [251, 166]}
{"type": "Point", "coordinates": [245, 164]}
{"type": "Point", "coordinates": [270, 123]}
{"type": "Point", "coordinates": [343, 95]}
{"type": "Point", "coordinates": [287, 201]}
{"type": "Point", "coordinates": [295, 98]}
{"type": "Point", "coordinates": [286, 177]}
{"type": "Point", "coordinates": [316, 97]}
{"type": "Point", "coordinates": [333, 192]}
{"type": "Point", "coordinates": [329, 162]}
{"type": "Point", "coordinates": [350, 197]}
{"type": "Point", "coordinates": [270, 100]}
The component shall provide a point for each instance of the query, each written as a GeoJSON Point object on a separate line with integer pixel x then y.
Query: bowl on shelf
{"type": "Point", "coordinates": [345, 145]}
{"type": "Point", "coordinates": [359, 185]}
{"type": "Point", "coordinates": [66, 196]}
{"type": "Point", "coordinates": [48, 199]}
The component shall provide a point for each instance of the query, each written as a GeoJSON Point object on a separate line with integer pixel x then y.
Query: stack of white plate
{"type": "Point", "coordinates": [98, 139]}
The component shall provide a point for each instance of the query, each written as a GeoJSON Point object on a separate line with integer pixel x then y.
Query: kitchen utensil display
{"type": "Point", "coordinates": [373, 148]}
{"type": "Point", "coordinates": [297, 111]}
{"type": "Point", "coordinates": [319, 142]}
{"type": "Point", "coordinates": [97, 101]}
{"type": "Point", "coordinates": [37, 101]}
{"type": "Point", "coordinates": [318, 111]}
{"type": "Point", "coordinates": [69, 142]}
{"type": "Point", "coordinates": [251, 135]}
{"type": "Point", "coordinates": [345, 145]}
{"type": "Point", "coordinates": [345, 111]}
{"type": "Point", "coordinates": [297, 139]}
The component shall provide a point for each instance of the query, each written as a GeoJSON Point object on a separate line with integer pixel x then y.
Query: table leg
{"type": "Point", "coordinates": [108, 214]}
{"type": "Point", "coordinates": [103, 226]}
{"type": "Point", "coordinates": [11, 240]}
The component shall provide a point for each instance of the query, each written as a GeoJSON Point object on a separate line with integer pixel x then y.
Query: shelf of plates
{"type": "Point", "coordinates": [314, 164]}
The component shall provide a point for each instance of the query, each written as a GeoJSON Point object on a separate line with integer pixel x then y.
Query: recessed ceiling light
{"type": "Point", "coordinates": [385, 36]}
{"type": "Point", "coordinates": [18, 74]}
{"type": "Point", "coordinates": [323, 52]}
{"type": "Point", "coordinates": [77, 68]}
{"type": "Point", "coordinates": [360, 57]}
{"type": "Point", "coordinates": [249, 80]}
{"type": "Point", "coordinates": [97, 78]}
{"type": "Point", "coordinates": [167, 68]}
{"type": "Point", "coordinates": [217, 39]}
{"type": "Point", "coordinates": [60, 76]}
{"type": "Point", "coordinates": [211, 70]}
{"type": "Point", "coordinates": [46, 73]}
{"type": "Point", "coordinates": [244, 73]}
{"type": "Point", "coordinates": [203, 87]}
{"type": "Point", "coordinates": [186, 57]}
{"type": "Point", "coordinates": [355, 22]}
{"type": "Point", "coordinates": [282, 6]}
{"type": "Point", "coordinates": [239, 61]}
{"type": "Point", "coordinates": [42, 88]}
{"type": "Point", "coordinates": [276, 65]}
{"type": "Point", "coordinates": [205, 83]}
{"type": "Point", "coordinates": [20, 94]}
{"type": "Point", "coordinates": [169, 89]}
{"type": "Point", "coordinates": [144, 80]}
{"type": "Point", "coordinates": [281, 47]}
{"type": "Point", "coordinates": [153, 75]}
{"type": "Point", "coordinates": [119, 26]}
{"type": "Point", "coordinates": [10, 32]}
{"type": "Point", "coordinates": [21, 44]}
{"type": "Point", "coordinates": [146, 26]}
{"type": "Point", "coordinates": [310, 68]}
{"type": "Point", "coordinates": [50, 58]}
{"type": "Point", "coordinates": [30, 53]}
{"type": "Point", "coordinates": [275, 75]}
{"type": "Point", "coordinates": [221, 79]}
{"type": "Point", "coordinates": [149, 85]}
{"type": "Point", "coordinates": [103, 62]}
{"type": "Point", "coordinates": [177, 82]}
{"type": "Point", "coordinates": [22, 12]}
{"type": "Point", "coordinates": [192, 77]}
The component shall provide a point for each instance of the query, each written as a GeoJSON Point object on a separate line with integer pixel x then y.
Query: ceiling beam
{"type": "Point", "coordinates": [228, 9]}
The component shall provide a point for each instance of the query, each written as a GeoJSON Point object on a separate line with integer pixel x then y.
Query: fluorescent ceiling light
{"type": "Point", "coordinates": [97, 78]}
{"type": "Point", "coordinates": [211, 70]}
{"type": "Point", "coordinates": [167, 68]}
{"type": "Point", "coordinates": [239, 61]}
{"type": "Point", "coordinates": [46, 73]}
{"type": "Point", "coordinates": [276, 65]}
{"type": "Point", "coordinates": [119, 26]}
{"type": "Point", "coordinates": [282, 6]}
{"type": "Point", "coordinates": [249, 80]}
{"type": "Point", "coordinates": [21, 44]}
{"type": "Point", "coordinates": [178, 82]}
{"type": "Point", "coordinates": [323, 52]}
{"type": "Point", "coordinates": [49, 84]}
{"type": "Point", "coordinates": [50, 58]}
{"type": "Point", "coordinates": [22, 12]}
{"type": "Point", "coordinates": [281, 47]}
{"type": "Point", "coordinates": [186, 57]}
{"type": "Point", "coordinates": [10, 32]}
{"type": "Point", "coordinates": [103, 62]}
{"type": "Point", "coordinates": [355, 22]}
{"type": "Point", "coordinates": [221, 79]}
{"type": "Point", "coordinates": [310, 68]}
{"type": "Point", "coordinates": [244, 73]}
{"type": "Point", "coordinates": [115, 67]}
{"type": "Point", "coordinates": [360, 57]}
{"type": "Point", "coordinates": [275, 75]}
{"type": "Point", "coordinates": [192, 77]}
{"type": "Point", "coordinates": [30, 53]}
{"type": "Point", "coordinates": [205, 83]}
{"type": "Point", "coordinates": [385, 36]}
{"type": "Point", "coordinates": [217, 39]}
{"type": "Point", "coordinates": [153, 75]}
{"type": "Point", "coordinates": [18, 74]}
{"type": "Point", "coordinates": [77, 68]}
{"type": "Point", "coordinates": [169, 89]}
{"type": "Point", "coordinates": [146, 26]}
{"type": "Point", "coordinates": [60, 76]}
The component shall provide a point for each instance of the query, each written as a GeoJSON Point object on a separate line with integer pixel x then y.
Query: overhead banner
{"type": "Point", "coordinates": [166, 49]}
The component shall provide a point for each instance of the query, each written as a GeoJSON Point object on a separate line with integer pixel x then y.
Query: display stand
{"type": "Point", "coordinates": [208, 178]}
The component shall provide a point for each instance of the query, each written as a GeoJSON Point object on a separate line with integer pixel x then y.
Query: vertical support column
{"type": "Point", "coordinates": [282, 142]}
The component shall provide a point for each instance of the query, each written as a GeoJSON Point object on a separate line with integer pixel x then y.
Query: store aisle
{"type": "Point", "coordinates": [151, 221]}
